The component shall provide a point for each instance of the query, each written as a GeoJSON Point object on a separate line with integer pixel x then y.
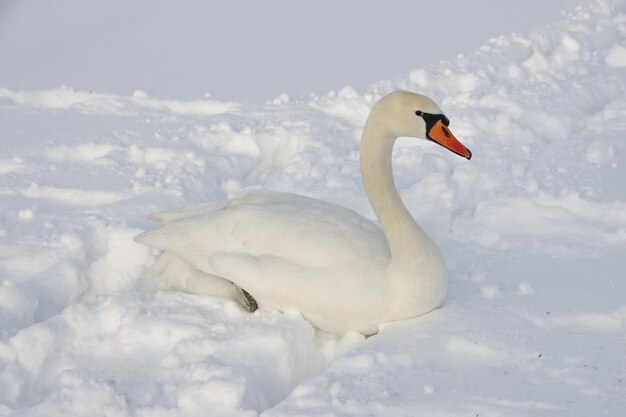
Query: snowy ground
{"type": "Point", "coordinates": [236, 50]}
{"type": "Point", "coordinates": [533, 228]}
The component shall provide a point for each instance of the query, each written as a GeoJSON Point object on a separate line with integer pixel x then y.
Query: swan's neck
{"type": "Point", "coordinates": [415, 260]}
{"type": "Point", "coordinates": [404, 236]}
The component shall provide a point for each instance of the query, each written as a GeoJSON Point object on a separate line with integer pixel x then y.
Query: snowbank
{"type": "Point", "coordinates": [534, 230]}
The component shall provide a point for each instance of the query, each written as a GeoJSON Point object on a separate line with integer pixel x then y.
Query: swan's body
{"type": "Point", "coordinates": [341, 271]}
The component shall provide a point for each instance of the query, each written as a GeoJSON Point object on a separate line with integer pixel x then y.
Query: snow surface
{"type": "Point", "coordinates": [533, 228]}
{"type": "Point", "coordinates": [237, 50]}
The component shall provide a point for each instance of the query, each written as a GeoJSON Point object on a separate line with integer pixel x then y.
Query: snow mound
{"type": "Point", "coordinates": [168, 353]}
{"type": "Point", "coordinates": [94, 103]}
{"type": "Point", "coordinates": [533, 229]}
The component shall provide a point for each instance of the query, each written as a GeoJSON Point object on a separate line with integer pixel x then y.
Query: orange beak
{"type": "Point", "coordinates": [441, 134]}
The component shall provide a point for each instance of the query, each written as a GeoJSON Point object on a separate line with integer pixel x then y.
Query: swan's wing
{"type": "Point", "coordinates": [185, 212]}
{"type": "Point", "coordinates": [191, 211]}
{"type": "Point", "coordinates": [285, 228]}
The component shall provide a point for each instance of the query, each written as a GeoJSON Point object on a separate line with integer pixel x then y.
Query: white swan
{"type": "Point", "coordinates": [328, 262]}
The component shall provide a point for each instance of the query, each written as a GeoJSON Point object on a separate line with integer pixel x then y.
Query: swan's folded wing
{"type": "Point", "coordinates": [198, 209]}
{"type": "Point", "coordinates": [295, 229]}
{"type": "Point", "coordinates": [185, 212]}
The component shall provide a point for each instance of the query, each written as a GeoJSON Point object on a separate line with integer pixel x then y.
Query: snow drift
{"type": "Point", "coordinates": [534, 230]}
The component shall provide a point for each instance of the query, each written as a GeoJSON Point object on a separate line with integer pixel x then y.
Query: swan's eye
{"type": "Point", "coordinates": [419, 113]}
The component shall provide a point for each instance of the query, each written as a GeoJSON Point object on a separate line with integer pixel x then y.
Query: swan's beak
{"type": "Point", "coordinates": [441, 134]}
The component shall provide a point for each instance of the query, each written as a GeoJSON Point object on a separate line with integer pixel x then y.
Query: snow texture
{"type": "Point", "coordinates": [533, 229]}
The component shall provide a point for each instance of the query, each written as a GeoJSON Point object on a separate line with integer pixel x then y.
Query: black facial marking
{"type": "Point", "coordinates": [431, 119]}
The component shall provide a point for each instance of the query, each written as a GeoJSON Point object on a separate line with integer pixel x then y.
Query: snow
{"type": "Point", "coordinates": [236, 51]}
{"type": "Point", "coordinates": [616, 56]}
{"type": "Point", "coordinates": [533, 229]}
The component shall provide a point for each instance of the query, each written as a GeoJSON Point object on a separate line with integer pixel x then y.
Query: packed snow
{"type": "Point", "coordinates": [533, 229]}
{"type": "Point", "coordinates": [240, 51]}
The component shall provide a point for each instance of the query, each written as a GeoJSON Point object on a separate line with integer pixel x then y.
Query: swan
{"type": "Point", "coordinates": [282, 251]}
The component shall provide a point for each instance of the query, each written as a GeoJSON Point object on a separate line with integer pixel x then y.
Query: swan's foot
{"type": "Point", "coordinates": [250, 301]}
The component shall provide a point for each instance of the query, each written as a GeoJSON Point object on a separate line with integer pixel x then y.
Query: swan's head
{"type": "Point", "coordinates": [403, 113]}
